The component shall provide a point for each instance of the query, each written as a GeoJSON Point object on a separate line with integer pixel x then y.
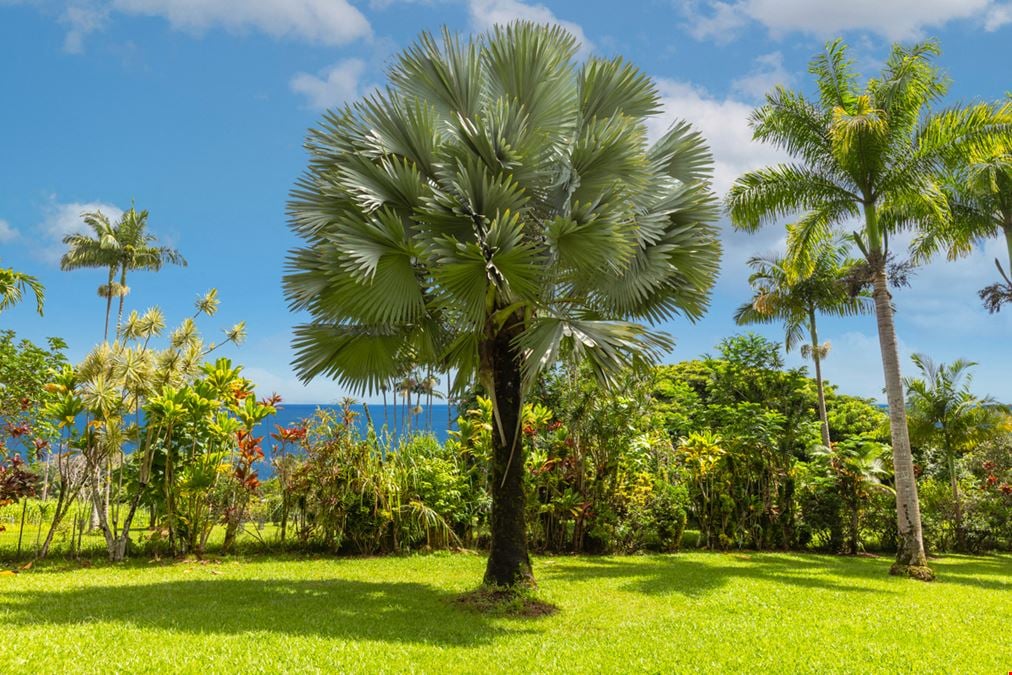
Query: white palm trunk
{"type": "Point", "coordinates": [910, 543]}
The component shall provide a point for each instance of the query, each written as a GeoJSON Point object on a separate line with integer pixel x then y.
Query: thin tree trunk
{"type": "Point", "coordinates": [96, 488]}
{"type": "Point", "coordinates": [820, 388]}
{"type": "Point", "coordinates": [108, 302]}
{"type": "Point", "coordinates": [509, 564]}
{"type": "Point", "coordinates": [122, 299]}
{"type": "Point", "coordinates": [45, 475]}
{"type": "Point", "coordinates": [910, 558]}
{"type": "Point", "coordinates": [957, 503]}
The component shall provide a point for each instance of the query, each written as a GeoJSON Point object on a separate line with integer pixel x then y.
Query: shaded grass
{"type": "Point", "coordinates": [686, 612]}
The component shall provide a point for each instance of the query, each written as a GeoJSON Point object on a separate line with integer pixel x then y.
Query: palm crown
{"type": "Point", "coordinates": [780, 297]}
{"type": "Point", "coordinates": [497, 181]}
{"type": "Point", "coordinates": [122, 247]}
{"type": "Point", "coordinates": [14, 285]}
{"type": "Point", "coordinates": [870, 152]}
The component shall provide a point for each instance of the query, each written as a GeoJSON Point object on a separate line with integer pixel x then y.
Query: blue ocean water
{"type": "Point", "coordinates": [435, 419]}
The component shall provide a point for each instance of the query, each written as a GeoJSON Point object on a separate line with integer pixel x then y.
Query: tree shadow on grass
{"type": "Point", "coordinates": [992, 573]}
{"type": "Point", "coordinates": [699, 575]}
{"type": "Point", "coordinates": [330, 608]}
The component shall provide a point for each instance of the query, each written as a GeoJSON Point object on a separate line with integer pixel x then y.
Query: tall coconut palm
{"type": "Point", "coordinates": [14, 285]}
{"type": "Point", "coordinates": [495, 206]}
{"type": "Point", "coordinates": [870, 154]}
{"type": "Point", "coordinates": [120, 248]}
{"type": "Point", "coordinates": [946, 415]}
{"type": "Point", "coordinates": [796, 301]}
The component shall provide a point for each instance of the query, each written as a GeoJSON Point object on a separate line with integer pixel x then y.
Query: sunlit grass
{"type": "Point", "coordinates": [686, 612]}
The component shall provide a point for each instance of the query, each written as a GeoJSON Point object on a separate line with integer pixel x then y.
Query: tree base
{"type": "Point", "coordinates": [919, 572]}
{"type": "Point", "coordinates": [514, 601]}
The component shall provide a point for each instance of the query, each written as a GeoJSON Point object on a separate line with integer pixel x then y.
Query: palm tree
{"type": "Point", "coordinates": [496, 206]}
{"type": "Point", "coordinates": [871, 153]}
{"type": "Point", "coordinates": [796, 302]}
{"type": "Point", "coordinates": [94, 251]}
{"type": "Point", "coordinates": [121, 248]}
{"type": "Point", "coordinates": [14, 285]}
{"type": "Point", "coordinates": [138, 250]}
{"type": "Point", "coordinates": [980, 192]}
{"type": "Point", "coordinates": [946, 415]}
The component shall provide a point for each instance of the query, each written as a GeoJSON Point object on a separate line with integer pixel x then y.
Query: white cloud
{"type": "Point", "coordinates": [892, 19]}
{"type": "Point", "coordinates": [60, 219]}
{"type": "Point", "coordinates": [327, 22]}
{"type": "Point", "coordinates": [724, 124]}
{"type": "Point", "coordinates": [998, 16]}
{"type": "Point", "coordinates": [82, 20]}
{"type": "Point", "coordinates": [768, 73]}
{"type": "Point", "coordinates": [487, 13]}
{"type": "Point", "coordinates": [721, 25]}
{"type": "Point", "coordinates": [332, 87]}
{"type": "Point", "coordinates": [7, 232]}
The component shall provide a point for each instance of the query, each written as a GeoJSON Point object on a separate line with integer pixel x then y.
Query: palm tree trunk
{"type": "Point", "coordinates": [820, 388]}
{"type": "Point", "coordinates": [509, 564]}
{"type": "Point", "coordinates": [910, 558]}
{"type": "Point", "coordinates": [108, 301]}
{"type": "Point", "coordinates": [122, 298]}
{"type": "Point", "coordinates": [956, 501]}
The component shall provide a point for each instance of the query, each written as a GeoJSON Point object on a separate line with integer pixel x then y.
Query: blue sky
{"type": "Point", "coordinates": [196, 110]}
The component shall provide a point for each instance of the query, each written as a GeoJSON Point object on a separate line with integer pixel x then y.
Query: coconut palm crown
{"type": "Point", "coordinates": [495, 206]}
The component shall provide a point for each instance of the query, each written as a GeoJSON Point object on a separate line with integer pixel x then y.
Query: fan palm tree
{"type": "Point", "coordinates": [495, 206]}
{"type": "Point", "coordinates": [946, 415]}
{"type": "Point", "coordinates": [796, 302]}
{"type": "Point", "coordinates": [870, 154]}
{"type": "Point", "coordinates": [14, 285]}
{"type": "Point", "coordinates": [121, 248]}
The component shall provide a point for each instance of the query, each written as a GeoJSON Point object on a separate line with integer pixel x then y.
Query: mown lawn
{"type": "Point", "coordinates": [688, 612]}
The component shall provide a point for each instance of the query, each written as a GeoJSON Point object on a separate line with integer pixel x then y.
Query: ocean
{"type": "Point", "coordinates": [438, 420]}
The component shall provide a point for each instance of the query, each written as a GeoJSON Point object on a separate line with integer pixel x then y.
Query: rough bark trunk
{"type": "Point", "coordinates": [509, 564]}
{"type": "Point", "coordinates": [819, 386]}
{"type": "Point", "coordinates": [910, 558]}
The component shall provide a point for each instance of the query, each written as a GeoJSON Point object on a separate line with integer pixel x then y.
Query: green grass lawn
{"type": "Point", "coordinates": [686, 612]}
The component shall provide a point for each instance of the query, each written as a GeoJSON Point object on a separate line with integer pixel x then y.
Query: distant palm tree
{"type": "Point", "coordinates": [796, 302]}
{"type": "Point", "coordinates": [872, 154]}
{"type": "Point", "coordinates": [121, 248]}
{"type": "Point", "coordinates": [98, 250]}
{"type": "Point", "coordinates": [497, 206]}
{"type": "Point", "coordinates": [946, 415]}
{"type": "Point", "coordinates": [14, 285]}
